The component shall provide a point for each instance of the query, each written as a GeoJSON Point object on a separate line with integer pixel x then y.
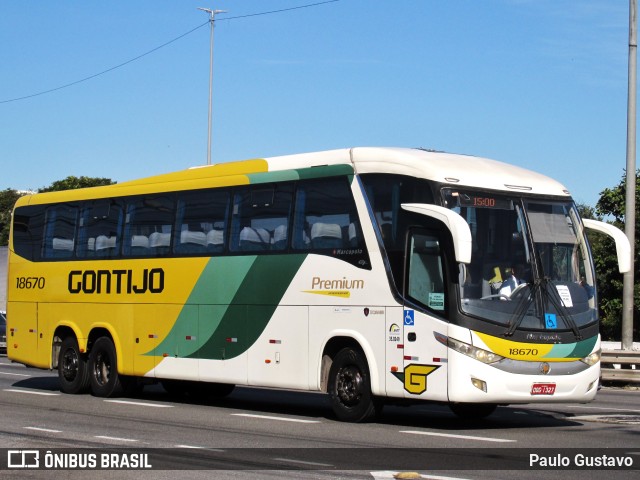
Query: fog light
{"type": "Point", "coordinates": [479, 384]}
{"type": "Point", "coordinates": [591, 385]}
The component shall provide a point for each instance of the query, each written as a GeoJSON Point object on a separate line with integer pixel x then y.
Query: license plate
{"type": "Point", "coordinates": [543, 389]}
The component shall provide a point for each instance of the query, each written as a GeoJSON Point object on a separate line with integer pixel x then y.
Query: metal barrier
{"type": "Point", "coordinates": [628, 362]}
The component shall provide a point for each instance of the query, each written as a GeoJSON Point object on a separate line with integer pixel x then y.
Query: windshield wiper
{"type": "Point", "coordinates": [523, 305]}
{"type": "Point", "coordinates": [553, 296]}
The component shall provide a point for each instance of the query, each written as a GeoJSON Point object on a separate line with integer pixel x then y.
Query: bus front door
{"type": "Point", "coordinates": [424, 356]}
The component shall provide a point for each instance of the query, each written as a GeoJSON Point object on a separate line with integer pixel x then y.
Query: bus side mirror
{"type": "Point", "coordinates": [623, 248]}
{"type": "Point", "coordinates": [457, 225]}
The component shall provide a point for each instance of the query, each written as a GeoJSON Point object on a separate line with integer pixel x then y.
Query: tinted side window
{"type": "Point", "coordinates": [60, 231]}
{"type": "Point", "coordinates": [149, 226]}
{"type": "Point", "coordinates": [326, 220]}
{"type": "Point", "coordinates": [425, 272]}
{"type": "Point", "coordinates": [28, 229]}
{"type": "Point", "coordinates": [100, 229]}
{"type": "Point", "coordinates": [386, 194]}
{"type": "Point", "coordinates": [326, 216]}
{"type": "Point", "coordinates": [202, 222]}
{"type": "Point", "coordinates": [261, 218]}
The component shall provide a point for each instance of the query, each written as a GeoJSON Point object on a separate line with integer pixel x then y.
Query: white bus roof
{"type": "Point", "coordinates": [454, 169]}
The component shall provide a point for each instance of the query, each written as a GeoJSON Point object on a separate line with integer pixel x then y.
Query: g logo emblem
{"type": "Point", "coordinates": [415, 377]}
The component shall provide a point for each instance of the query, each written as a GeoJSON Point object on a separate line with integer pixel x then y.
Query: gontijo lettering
{"type": "Point", "coordinates": [116, 281]}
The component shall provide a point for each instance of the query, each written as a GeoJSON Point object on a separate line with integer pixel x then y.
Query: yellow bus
{"type": "Point", "coordinates": [372, 274]}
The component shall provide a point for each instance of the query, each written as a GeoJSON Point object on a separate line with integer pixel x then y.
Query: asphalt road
{"type": "Point", "coordinates": [258, 433]}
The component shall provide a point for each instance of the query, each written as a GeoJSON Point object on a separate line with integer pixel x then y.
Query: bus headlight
{"type": "Point", "coordinates": [479, 354]}
{"type": "Point", "coordinates": [592, 359]}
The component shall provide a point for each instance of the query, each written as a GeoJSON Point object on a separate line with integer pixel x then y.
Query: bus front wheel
{"type": "Point", "coordinates": [103, 369]}
{"type": "Point", "coordinates": [73, 372]}
{"type": "Point", "coordinates": [350, 387]}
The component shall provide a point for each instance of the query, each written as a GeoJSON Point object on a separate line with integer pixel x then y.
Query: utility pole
{"type": "Point", "coordinates": [212, 19]}
{"type": "Point", "coordinates": [630, 196]}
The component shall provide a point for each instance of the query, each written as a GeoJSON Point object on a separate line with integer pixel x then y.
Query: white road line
{"type": "Point", "coordinates": [30, 392]}
{"type": "Point", "coordinates": [15, 374]}
{"type": "Point", "coordinates": [302, 462]}
{"type": "Point", "coordinates": [464, 437]}
{"type": "Point", "coordinates": [38, 429]}
{"type": "Point", "coordinates": [200, 448]}
{"type": "Point", "coordinates": [268, 417]}
{"type": "Point", "coordinates": [140, 404]}
{"type": "Point", "coordinates": [116, 439]}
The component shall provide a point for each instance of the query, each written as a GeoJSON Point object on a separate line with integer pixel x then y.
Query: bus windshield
{"type": "Point", "coordinates": [530, 267]}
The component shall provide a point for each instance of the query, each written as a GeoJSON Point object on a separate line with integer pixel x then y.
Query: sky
{"type": "Point", "coordinates": [541, 84]}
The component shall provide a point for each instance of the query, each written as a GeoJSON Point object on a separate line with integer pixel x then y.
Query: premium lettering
{"type": "Point", "coordinates": [116, 281]}
{"type": "Point", "coordinates": [337, 284]}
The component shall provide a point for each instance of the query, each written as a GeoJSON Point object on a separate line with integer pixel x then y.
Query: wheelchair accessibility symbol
{"type": "Point", "coordinates": [409, 318]}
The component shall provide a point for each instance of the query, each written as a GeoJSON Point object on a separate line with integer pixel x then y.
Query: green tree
{"type": "Point", "coordinates": [9, 197]}
{"type": "Point", "coordinates": [71, 183]}
{"type": "Point", "coordinates": [612, 205]}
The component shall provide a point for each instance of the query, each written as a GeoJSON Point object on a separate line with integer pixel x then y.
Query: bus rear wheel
{"type": "Point", "coordinates": [350, 387]}
{"type": "Point", "coordinates": [103, 369]}
{"type": "Point", "coordinates": [73, 372]}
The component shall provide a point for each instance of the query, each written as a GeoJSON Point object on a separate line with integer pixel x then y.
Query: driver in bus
{"type": "Point", "coordinates": [512, 281]}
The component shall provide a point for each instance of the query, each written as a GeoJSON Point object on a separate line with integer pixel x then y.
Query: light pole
{"type": "Point", "coordinates": [630, 194]}
{"type": "Point", "coordinates": [212, 19]}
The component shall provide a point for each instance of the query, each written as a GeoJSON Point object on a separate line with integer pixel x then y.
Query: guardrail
{"type": "Point", "coordinates": [620, 366]}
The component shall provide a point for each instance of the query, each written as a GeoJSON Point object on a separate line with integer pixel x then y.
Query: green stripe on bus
{"type": "Point", "coordinates": [301, 174]}
{"type": "Point", "coordinates": [230, 306]}
{"type": "Point", "coordinates": [213, 292]}
{"type": "Point", "coordinates": [325, 171]}
{"type": "Point", "coordinates": [583, 348]}
{"type": "Point", "coordinates": [252, 307]}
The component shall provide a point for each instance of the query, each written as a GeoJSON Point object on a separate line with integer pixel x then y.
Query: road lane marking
{"type": "Point", "coordinates": [140, 404]}
{"type": "Point", "coordinates": [47, 430]}
{"type": "Point", "coordinates": [15, 374]}
{"type": "Point", "coordinates": [302, 462]}
{"type": "Point", "coordinates": [464, 437]}
{"type": "Point", "coordinates": [116, 439]}
{"type": "Point", "coordinates": [268, 417]}
{"type": "Point", "coordinates": [200, 448]}
{"type": "Point", "coordinates": [14, 390]}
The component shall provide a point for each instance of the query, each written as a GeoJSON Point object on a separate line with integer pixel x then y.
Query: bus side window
{"type": "Point", "coordinates": [325, 216]}
{"type": "Point", "coordinates": [100, 229]}
{"type": "Point", "coordinates": [260, 220]}
{"type": "Point", "coordinates": [60, 232]}
{"type": "Point", "coordinates": [148, 226]}
{"type": "Point", "coordinates": [425, 277]}
{"type": "Point", "coordinates": [28, 230]}
{"type": "Point", "coordinates": [201, 222]}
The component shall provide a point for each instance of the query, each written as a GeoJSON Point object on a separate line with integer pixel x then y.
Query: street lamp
{"type": "Point", "coordinates": [212, 19]}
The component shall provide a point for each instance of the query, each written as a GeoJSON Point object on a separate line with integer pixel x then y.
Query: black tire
{"type": "Point", "coordinates": [103, 369]}
{"type": "Point", "coordinates": [470, 411]}
{"type": "Point", "coordinates": [73, 371]}
{"type": "Point", "coordinates": [350, 387]}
